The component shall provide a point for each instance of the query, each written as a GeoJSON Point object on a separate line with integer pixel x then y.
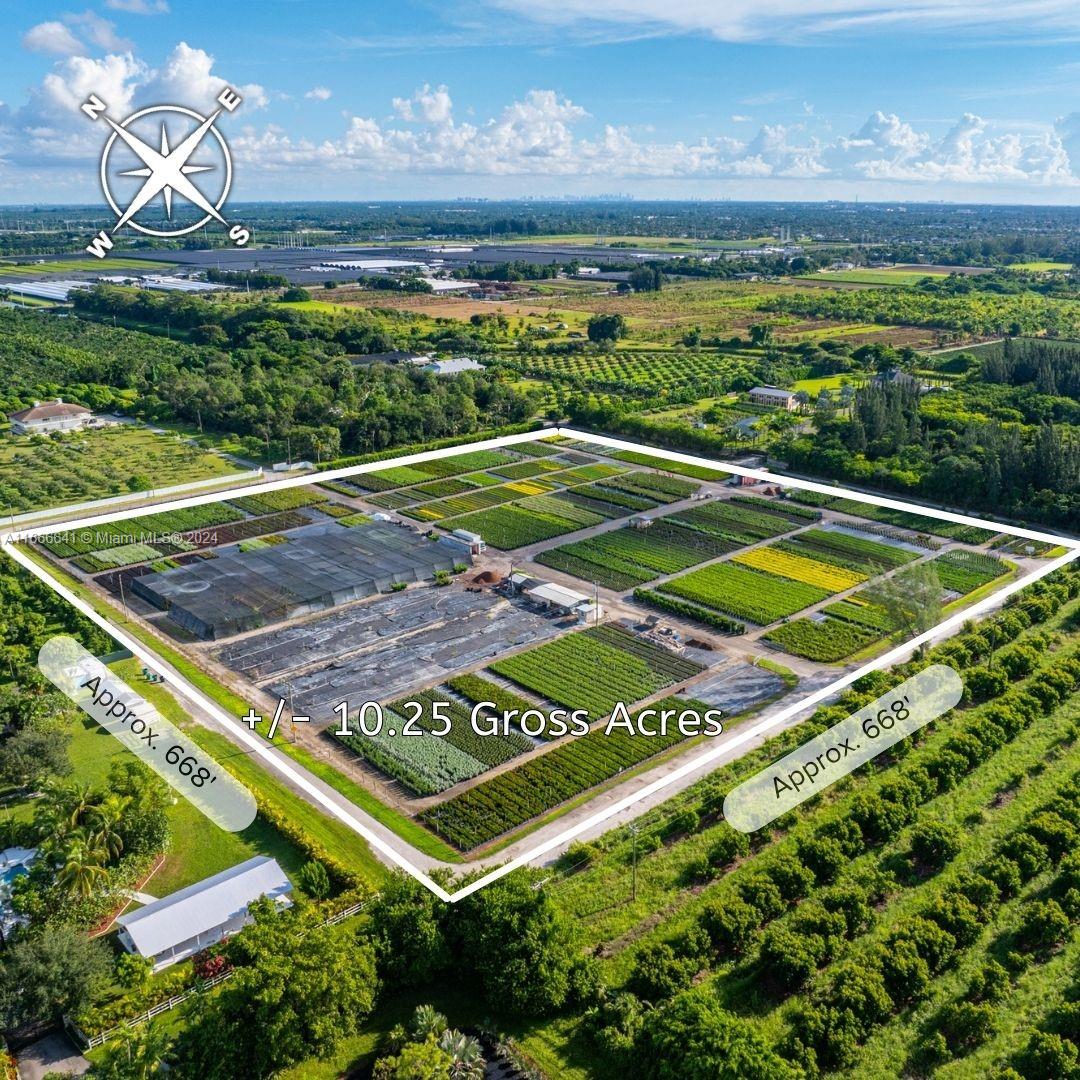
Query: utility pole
{"type": "Point", "coordinates": [633, 886]}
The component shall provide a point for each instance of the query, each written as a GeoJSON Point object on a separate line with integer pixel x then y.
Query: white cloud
{"type": "Point", "coordinates": [541, 136]}
{"type": "Point", "coordinates": [50, 129]}
{"type": "Point", "coordinates": [52, 37]}
{"type": "Point", "coordinates": [430, 106]}
{"type": "Point", "coordinates": [887, 148]}
{"type": "Point", "coordinates": [66, 36]}
{"type": "Point", "coordinates": [318, 93]}
{"type": "Point", "coordinates": [188, 79]}
{"type": "Point", "coordinates": [752, 20]}
{"type": "Point", "coordinates": [98, 31]}
{"type": "Point", "coordinates": [139, 7]}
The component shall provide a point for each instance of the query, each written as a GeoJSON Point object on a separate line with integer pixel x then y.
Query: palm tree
{"type": "Point", "coordinates": [81, 869]}
{"type": "Point", "coordinates": [104, 819]}
{"type": "Point", "coordinates": [468, 1063]}
{"type": "Point", "coordinates": [61, 811]}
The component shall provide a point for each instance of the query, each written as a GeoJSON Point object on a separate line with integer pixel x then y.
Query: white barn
{"type": "Point", "coordinates": [183, 923]}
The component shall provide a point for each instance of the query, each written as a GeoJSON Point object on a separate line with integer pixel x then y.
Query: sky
{"type": "Point", "coordinates": [963, 100]}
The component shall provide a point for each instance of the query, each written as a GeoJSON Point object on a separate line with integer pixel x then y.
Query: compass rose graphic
{"type": "Point", "coordinates": [166, 170]}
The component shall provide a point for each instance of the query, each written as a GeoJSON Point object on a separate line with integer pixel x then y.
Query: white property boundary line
{"type": "Point", "coordinates": [275, 758]}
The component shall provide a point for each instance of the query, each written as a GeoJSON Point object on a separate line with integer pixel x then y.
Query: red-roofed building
{"type": "Point", "coordinates": [56, 415]}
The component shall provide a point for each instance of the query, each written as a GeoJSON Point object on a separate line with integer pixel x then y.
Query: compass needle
{"type": "Point", "coordinates": [165, 168]}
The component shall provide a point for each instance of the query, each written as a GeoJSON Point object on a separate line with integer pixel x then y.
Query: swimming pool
{"type": "Point", "coordinates": [10, 874]}
{"type": "Point", "coordinates": [14, 863]}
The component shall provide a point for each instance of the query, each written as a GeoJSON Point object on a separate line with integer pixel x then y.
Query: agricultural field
{"type": "Point", "coordinates": [425, 764]}
{"type": "Point", "coordinates": [646, 374]}
{"type": "Point", "coordinates": [901, 275]}
{"type": "Point", "coordinates": [273, 502]}
{"type": "Point", "coordinates": [695, 472]}
{"type": "Point", "coordinates": [441, 468]}
{"type": "Point", "coordinates": [674, 542]}
{"type": "Point", "coordinates": [169, 523]}
{"type": "Point", "coordinates": [826, 640]}
{"type": "Point", "coordinates": [38, 472]}
{"type": "Point", "coordinates": [744, 593]}
{"type": "Point", "coordinates": [595, 669]}
{"type": "Point", "coordinates": [917, 523]}
{"type": "Point", "coordinates": [915, 920]}
{"type": "Point", "coordinates": [628, 557]}
{"type": "Point", "coordinates": [67, 266]}
{"type": "Point", "coordinates": [965, 571]}
{"type": "Point", "coordinates": [515, 525]}
{"type": "Point", "coordinates": [540, 784]}
{"type": "Point", "coordinates": [842, 549]}
{"type": "Point", "coordinates": [825, 576]}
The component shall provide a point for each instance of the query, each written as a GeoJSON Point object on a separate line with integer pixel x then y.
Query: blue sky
{"type": "Point", "coordinates": [884, 99]}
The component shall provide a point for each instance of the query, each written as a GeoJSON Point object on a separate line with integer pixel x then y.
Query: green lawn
{"type": "Point", "coordinates": [200, 848]}
{"type": "Point", "coordinates": [827, 382]}
{"type": "Point", "coordinates": [885, 276]}
{"type": "Point", "coordinates": [66, 266]}
{"type": "Point", "coordinates": [1041, 265]}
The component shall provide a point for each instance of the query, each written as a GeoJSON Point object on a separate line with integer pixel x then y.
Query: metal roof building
{"type": "Point", "coordinates": [454, 366]}
{"type": "Point", "coordinates": [182, 923]}
{"type": "Point", "coordinates": [320, 567]}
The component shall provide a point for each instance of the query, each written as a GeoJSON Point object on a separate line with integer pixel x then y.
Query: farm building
{"type": "Point", "coordinates": [56, 415]}
{"type": "Point", "coordinates": [470, 541]}
{"type": "Point", "coordinates": [319, 568]}
{"type": "Point", "coordinates": [394, 356]}
{"type": "Point", "coordinates": [563, 599]}
{"type": "Point", "coordinates": [773, 396]}
{"type": "Point", "coordinates": [454, 366]}
{"type": "Point", "coordinates": [181, 924]}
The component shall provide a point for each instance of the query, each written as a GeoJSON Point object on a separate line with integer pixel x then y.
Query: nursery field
{"type": "Point", "coordinates": [151, 527]}
{"type": "Point", "coordinates": [515, 525]}
{"type": "Point", "coordinates": [628, 557]}
{"type": "Point", "coordinates": [745, 593]}
{"type": "Point", "coordinates": [272, 502]}
{"type": "Point", "coordinates": [595, 669]}
{"type": "Point", "coordinates": [695, 472]}
{"type": "Point", "coordinates": [540, 784]}
{"type": "Point", "coordinates": [406, 475]}
{"type": "Point", "coordinates": [427, 764]}
{"type": "Point", "coordinates": [968, 534]}
{"type": "Point", "coordinates": [826, 640]}
{"type": "Point", "coordinates": [965, 571]}
{"type": "Point", "coordinates": [825, 576]}
{"type": "Point", "coordinates": [853, 552]}
{"type": "Point", "coordinates": [38, 472]}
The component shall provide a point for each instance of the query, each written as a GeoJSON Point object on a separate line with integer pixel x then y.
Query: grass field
{"type": "Point", "coordinates": [826, 382]}
{"type": "Point", "coordinates": [1041, 265]}
{"type": "Point", "coordinates": [884, 276]}
{"type": "Point", "coordinates": [200, 848]}
{"type": "Point", "coordinates": [66, 266]}
{"type": "Point", "coordinates": [38, 472]}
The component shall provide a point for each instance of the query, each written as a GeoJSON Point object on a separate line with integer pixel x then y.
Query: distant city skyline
{"type": "Point", "coordinates": [957, 101]}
